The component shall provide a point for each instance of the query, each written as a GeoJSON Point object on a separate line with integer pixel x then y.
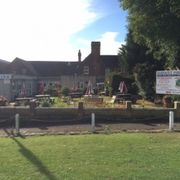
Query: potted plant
{"type": "Point", "coordinates": [167, 101]}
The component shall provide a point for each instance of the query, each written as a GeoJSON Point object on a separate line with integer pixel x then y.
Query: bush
{"type": "Point", "coordinates": [114, 80]}
{"type": "Point", "coordinates": [46, 104]}
{"type": "Point", "coordinates": [3, 101]}
{"type": "Point", "coordinates": [65, 91]}
{"type": "Point", "coordinates": [175, 97]}
{"type": "Point", "coordinates": [145, 77]}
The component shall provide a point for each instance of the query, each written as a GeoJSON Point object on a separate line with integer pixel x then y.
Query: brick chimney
{"type": "Point", "coordinates": [96, 61]}
{"type": "Point", "coordinates": [79, 56]}
{"type": "Point", "coordinates": [95, 48]}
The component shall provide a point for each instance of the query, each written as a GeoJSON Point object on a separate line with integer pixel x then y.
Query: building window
{"type": "Point", "coordinates": [86, 70]}
{"type": "Point", "coordinates": [81, 85]}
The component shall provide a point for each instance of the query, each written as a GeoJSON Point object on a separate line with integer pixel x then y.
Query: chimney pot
{"type": "Point", "coordinates": [79, 55]}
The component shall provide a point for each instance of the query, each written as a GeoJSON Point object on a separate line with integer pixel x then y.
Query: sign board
{"type": "Point", "coordinates": [168, 82]}
{"type": "Point", "coordinates": [7, 81]}
{"type": "Point", "coordinates": [5, 76]}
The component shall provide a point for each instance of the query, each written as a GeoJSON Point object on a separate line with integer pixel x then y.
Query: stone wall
{"type": "Point", "coordinates": [84, 114]}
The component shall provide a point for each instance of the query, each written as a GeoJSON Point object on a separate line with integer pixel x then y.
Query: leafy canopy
{"type": "Point", "coordinates": [156, 24]}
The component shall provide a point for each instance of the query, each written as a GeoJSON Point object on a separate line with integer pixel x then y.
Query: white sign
{"type": "Point", "coordinates": [5, 76]}
{"type": "Point", "coordinates": [168, 82]}
{"type": "Point", "coordinates": [7, 81]}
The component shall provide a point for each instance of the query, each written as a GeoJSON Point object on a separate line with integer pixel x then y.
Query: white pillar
{"type": "Point", "coordinates": [93, 122]}
{"type": "Point", "coordinates": [17, 123]}
{"type": "Point", "coordinates": [171, 120]}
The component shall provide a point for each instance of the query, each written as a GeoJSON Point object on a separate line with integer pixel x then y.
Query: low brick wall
{"type": "Point", "coordinates": [84, 114]}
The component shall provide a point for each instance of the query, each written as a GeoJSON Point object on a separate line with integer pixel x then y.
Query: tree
{"type": "Point", "coordinates": [156, 24]}
{"type": "Point", "coordinates": [133, 53]}
{"type": "Point", "coordinates": [140, 62]}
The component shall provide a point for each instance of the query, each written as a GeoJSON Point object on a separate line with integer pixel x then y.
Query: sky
{"type": "Point", "coordinates": [55, 30]}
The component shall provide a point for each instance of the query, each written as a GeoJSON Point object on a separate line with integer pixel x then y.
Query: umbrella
{"type": "Point", "coordinates": [41, 87]}
{"type": "Point", "coordinates": [58, 87]}
{"type": "Point", "coordinates": [23, 90]}
{"type": "Point", "coordinates": [89, 90]}
{"type": "Point", "coordinates": [122, 87]}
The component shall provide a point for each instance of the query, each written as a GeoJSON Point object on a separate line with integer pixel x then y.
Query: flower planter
{"type": "Point", "coordinates": [167, 102]}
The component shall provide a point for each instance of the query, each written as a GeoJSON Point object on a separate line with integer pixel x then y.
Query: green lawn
{"type": "Point", "coordinates": [116, 156]}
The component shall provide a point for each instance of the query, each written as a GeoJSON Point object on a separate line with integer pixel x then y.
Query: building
{"type": "Point", "coordinates": [27, 78]}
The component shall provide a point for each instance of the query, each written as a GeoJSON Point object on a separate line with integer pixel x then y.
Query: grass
{"type": "Point", "coordinates": [147, 104]}
{"type": "Point", "coordinates": [116, 156]}
{"type": "Point", "coordinates": [63, 102]}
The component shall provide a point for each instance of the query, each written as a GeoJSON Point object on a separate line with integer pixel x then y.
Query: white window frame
{"type": "Point", "coordinates": [86, 70]}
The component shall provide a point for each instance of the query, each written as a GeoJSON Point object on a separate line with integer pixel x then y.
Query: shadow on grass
{"type": "Point", "coordinates": [30, 156]}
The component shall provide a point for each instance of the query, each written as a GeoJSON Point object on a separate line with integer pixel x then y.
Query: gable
{"type": "Point", "coordinates": [20, 67]}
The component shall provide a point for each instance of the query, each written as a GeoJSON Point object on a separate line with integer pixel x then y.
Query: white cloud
{"type": "Point", "coordinates": [109, 44]}
{"type": "Point", "coordinates": [41, 29]}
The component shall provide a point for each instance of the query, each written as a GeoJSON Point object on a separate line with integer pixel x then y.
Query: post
{"type": "Point", "coordinates": [80, 110]}
{"type": "Point", "coordinates": [177, 105]}
{"type": "Point", "coordinates": [80, 106]}
{"type": "Point", "coordinates": [32, 106]}
{"type": "Point", "coordinates": [17, 123]}
{"type": "Point", "coordinates": [171, 120]}
{"type": "Point", "coordinates": [93, 122]}
{"type": "Point", "coordinates": [128, 105]}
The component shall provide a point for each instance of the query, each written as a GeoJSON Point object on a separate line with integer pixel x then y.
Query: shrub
{"type": "Point", "coordinates": [145, 77]}
{"type": "Point", "coordinates": [167, 101]}
{"type": "Point", "coordinates": [46, 104]}
{"type": "Point", "coordinates": [65, 91]}
{"type": "Point", "coordinates": [113, 80]}
{"type": "Point", "coordinates": [175, 97]}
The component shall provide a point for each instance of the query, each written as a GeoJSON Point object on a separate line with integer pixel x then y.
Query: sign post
{"type": "Point", "coordinates": [17, 123]}
{"type": "Point", "coordinates": [171, 120]}
{"type": "Point", "coordinates": [168, 82]}
{"type": "Point", "coordinates": [93, 122]}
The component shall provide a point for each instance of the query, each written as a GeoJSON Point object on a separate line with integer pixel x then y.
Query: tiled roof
{"type": "Point", "coordinates": [110, 61]}
{"type": "Point", "coordinates": [54, 68]}
{"type": "Point", "coordinates": [3, 64]}
{"type": "Point", "coordinates": [20, 66]}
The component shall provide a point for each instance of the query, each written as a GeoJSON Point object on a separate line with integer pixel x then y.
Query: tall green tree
{"type": "Point", "coordinates": [156, 24]}
{"type": "Point", "coordinates": [133, 53]}
{"type": "Point", "coordinates": [140, 62]}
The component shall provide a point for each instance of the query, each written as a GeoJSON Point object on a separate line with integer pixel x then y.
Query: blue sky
{"type": "Point", "coordinates": [112, 19]}
{"type": "Point", "coordinates": [57, 29]}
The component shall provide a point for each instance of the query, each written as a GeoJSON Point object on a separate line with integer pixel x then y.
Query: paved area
{"type": "Point", "coordinates": [87, 128]}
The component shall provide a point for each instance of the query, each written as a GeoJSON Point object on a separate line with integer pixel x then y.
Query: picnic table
{"type": "Point", "coordinates": [75, 94]}
{"type": "Point", "coordinates": [121, 98]}
{"type": "Point", "coordinates": [44, 97]}
{"type": "Point", "coordinates": [23, 101]}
